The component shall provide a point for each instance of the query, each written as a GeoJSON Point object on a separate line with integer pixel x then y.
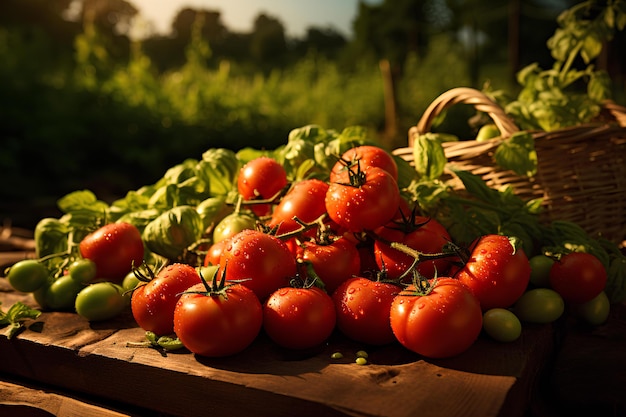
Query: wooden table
{"type": "Point", "coordinates": [66, 366]}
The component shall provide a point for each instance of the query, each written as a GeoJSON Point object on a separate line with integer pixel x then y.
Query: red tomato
{"type": "Point", "coordinates": [578, 277]}
{"type": "Point", "coordinates": [305, 200]}
{"type": "Point", "coordinates": [423, 234]}
{"type": "Point", "coordinates": [299, 318]}
{"type": "Point", "coordinates": [153, 304]}
{"type": "Point", "coordinates": [363, 307]}
{"type": "Point", "coordinates": [334, 263]}
{"type": "Point", "coordinates": [362, 200]}
{"type": "Point", "coordinates": [114, 248]}
{"type": "Point", "coordinates": [366, 156]}
{"type": "Point", "coordinates": [213, 254]}
{"type": "Point", "coordinates": [260, 179]}
{"type": "Point", "coordinates": [442, 323]}
{"type": "Point", "coordinates": [217, 324]}
{"type": "Point", "coordinates": [496, 271]}
{"type": "Point", "coordinates": [263, 261]}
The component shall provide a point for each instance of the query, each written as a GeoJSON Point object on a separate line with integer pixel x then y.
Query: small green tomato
{"type": "Point", "coordinates": [539, 305]}
{"type": "Point", "coordinates": [540, 266]}
{"type": "Point", "coordinates": [82, 270]}
{"type": "Point", "coordinates": [502, 325]}
{"type": "Point", "coordinates": [61, 294]}
{"type": "Point", "coordinates": [100, 301]}
{"type": "Point", "coordinates": [27, 275]}
{"type": "Point", "coordinates": [594, 312]}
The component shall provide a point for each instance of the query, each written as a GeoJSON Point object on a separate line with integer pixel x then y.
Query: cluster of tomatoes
{"type": "Point", "coordinates": [301, 260]}
{"type": "Point", "coordinates": [347, 254]}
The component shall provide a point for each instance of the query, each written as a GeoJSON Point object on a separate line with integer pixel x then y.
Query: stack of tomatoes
{"type": "Point", "coordinates": [347, 254]}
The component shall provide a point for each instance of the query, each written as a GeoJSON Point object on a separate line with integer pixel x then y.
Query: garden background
{"type": "Point", "coordinates": [87, 104]}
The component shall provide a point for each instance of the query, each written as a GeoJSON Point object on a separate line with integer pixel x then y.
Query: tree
{"type": "Point", "coordinates": [268, 46]}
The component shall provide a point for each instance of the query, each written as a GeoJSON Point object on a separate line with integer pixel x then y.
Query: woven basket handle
{"type": "Point", "coordinates": [464, 95]}
{"type": "Point", "coordinates": [617, 111]}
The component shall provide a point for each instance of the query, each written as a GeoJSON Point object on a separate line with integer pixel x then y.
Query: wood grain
{"type": "Point", "coordinates": [67, 352]}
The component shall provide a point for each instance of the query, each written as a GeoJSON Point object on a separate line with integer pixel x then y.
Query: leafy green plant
{"type": "Point", "coordinates": [565, 95]}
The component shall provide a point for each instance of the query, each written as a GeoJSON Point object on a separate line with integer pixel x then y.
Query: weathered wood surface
{"type": "Point", "coordinates": [63, 351]}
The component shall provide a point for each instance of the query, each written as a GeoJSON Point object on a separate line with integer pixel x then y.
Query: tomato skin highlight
{"type": "Point", "coordinates": [496, 272]}
{"type": "Point", "coordinates": [264, 262]}
{"type": "Point", "coordinates": [218, 325]}
{"type": "Point", "coordinates": [153, 304]}
{"type": "Point", "coordinates": [115, 248]}
{"type": "Point", "coordinates": [578, 277]}
{"type": "Point", "coordinates": [299, 318]}
{"type": "Point", "coordinates": [366, 206]}
{"type": "Point", "coordinates": [442, 324]}
{"type": "Point", "coordinates": [363, 307]}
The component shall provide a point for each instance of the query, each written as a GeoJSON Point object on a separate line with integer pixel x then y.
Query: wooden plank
{"type": "Point", "coordinates": [65, 351]}
{"type": "Point", "coordinates": [22, 401]}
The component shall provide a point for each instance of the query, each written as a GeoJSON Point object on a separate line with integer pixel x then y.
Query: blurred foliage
{"type": "Point", "coordinates": [85, 105]}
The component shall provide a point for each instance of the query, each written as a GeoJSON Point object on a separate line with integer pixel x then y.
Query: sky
{"type": "Point", "coordinates": [239, 15]}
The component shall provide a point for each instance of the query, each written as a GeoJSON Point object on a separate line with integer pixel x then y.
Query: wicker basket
{"type": "Point", "coordinates": [581, 173]}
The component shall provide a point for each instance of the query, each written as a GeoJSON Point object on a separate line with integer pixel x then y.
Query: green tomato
{"type": "Point", "coordinates": [540, 266]}
{"type": "Point", "coordinates": [27, 275]}
{"type": "Point", "coordinates": [130, 281]}
{"type": "Point", "coordinates": [207, 272]}
{"type": "Point", "coordinates": [502, 325]}
{"type": "Point", "coordinates": [60, 295]}
{"type": "Point", "coordinates": [82, 270]}
{"type": "Point", "coordinates": [596, 311]}
{"type": "Point", "coordinates": [539, 305]}
{"type": "Point", "coordinates": [488, 131]}
{"type": "Point", "coordinates": [231, 225]}
{"type": "Point", "coordinates": [100, 301]}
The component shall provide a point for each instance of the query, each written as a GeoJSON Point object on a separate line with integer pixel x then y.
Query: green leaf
{"type": "Point", "coordinates": [518, 154]}
{"type": "Point", "coordinates": [15, 316]}
{"type": "Point", "coordinates": [81, 200]}
{"type": "Point", "coordinates": [475, 185]}
{"type": "Point", "coordinates": [429, 156]}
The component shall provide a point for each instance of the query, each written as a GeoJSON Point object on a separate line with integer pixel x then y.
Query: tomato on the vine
{"type": "Point", "coordinates": [260, 179]}
{"type": "Point", "coordinates": [334, 262]}
{"type": "Point", "coordinates": [299, 318]}
{"type": "Point", "coordinates": [440, 321]}
{"type": "Point", "coordinates": [262, 262]}
{"type": "Point", "coordinates": [363, 307]}
{"type": "Point", "coordinates": [366, 156]}
{"type": "Point", "coordinates": [304, 200]}
{"type": "Point", "coordinates": [216, 322]}
{"type": "Point", "coordinates": [578, 277]}
{"type": "Point", "coordinates": [362, 200]}
{"type": "Point", "coordinates": [496, 271]}
{"type": "Point", "coordinates": [153, 304]}
{"type": "Point", "coordinates": [423, 234]}
{"type": "Point", "coordinates": [115, 248]}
